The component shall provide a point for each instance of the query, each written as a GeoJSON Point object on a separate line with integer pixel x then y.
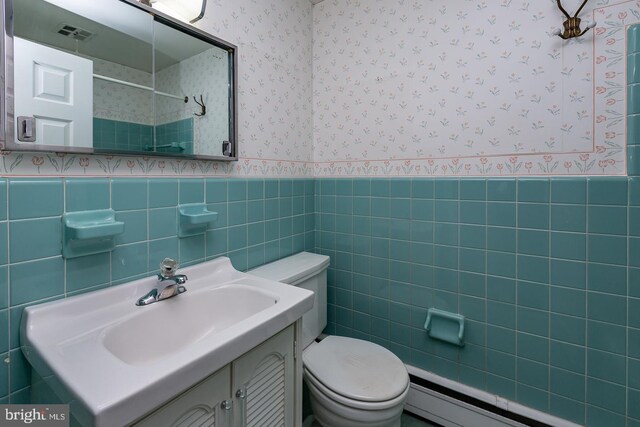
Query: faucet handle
{"type": "Point", "coordinates": [168, 267]}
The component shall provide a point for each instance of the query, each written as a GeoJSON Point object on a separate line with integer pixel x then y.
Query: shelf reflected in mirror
{"type": "Point", "coordinates": [118, 77]}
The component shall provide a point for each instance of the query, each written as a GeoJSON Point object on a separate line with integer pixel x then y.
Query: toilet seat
{"type": "Point", "coordinates": [355, 372]}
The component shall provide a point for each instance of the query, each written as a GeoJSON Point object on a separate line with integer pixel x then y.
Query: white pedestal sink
{"type": "Point", "coordinates": [115, 361]}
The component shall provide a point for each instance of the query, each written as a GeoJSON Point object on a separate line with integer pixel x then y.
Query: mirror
{"type": "Point", "coordinates": [113, 76]}
{"type": "Point", "coordinates": [188, 65]}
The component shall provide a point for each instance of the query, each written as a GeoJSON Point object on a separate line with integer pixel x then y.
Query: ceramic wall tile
{"type": "Point", "coordinates": [545, 276]}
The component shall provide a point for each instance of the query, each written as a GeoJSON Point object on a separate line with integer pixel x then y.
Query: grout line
{"type": "Point", "coordinates": [549, 295]}
{"type": "Point", "coordinates": [147, 212]}
{"type": "Point", "coordinates": [517, 252]}
{"type": "Point", "coordinates": [626, 335]}
{"type": "Point", "coordinates": [586, 302]}
{"type": "Point", "coordinates": [8, 291]}
{"type": "Point", "coordinates": [111, 251]}
{"type": "Point", "coordinates": [206, 205]}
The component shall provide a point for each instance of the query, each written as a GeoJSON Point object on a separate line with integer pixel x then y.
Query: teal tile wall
{"type": "Point", "coordinates": [175, 137]}
{"type": "Point", "coordinates": [546, 271]}
{"type": "Point", "coordinates": [259, 221]}
{"type": "Point", "coordinates": [171, 137]}
{"type": "Point", "coordinates": [118, 135]}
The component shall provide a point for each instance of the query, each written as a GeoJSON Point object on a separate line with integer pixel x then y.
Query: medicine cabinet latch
{"type": "Point", "coordinates": [226, 148]}
{"type": "Point", "coordinates": [26, 129]}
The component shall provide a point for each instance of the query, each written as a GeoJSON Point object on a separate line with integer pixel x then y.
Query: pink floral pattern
{"type": "Point", "coordinates": [406, 88]}
{"type": "Point", "coordinates": [274, 96]}
{"type": "Point", "coordinates": [445, 89]}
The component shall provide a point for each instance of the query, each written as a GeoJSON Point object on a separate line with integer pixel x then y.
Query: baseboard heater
{"type": "Point", "coordinates": [452, 404]}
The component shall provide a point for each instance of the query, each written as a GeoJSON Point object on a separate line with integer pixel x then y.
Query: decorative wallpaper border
{"type": "Point", "coordinates": [64, 164]}
{"type": "Point", "coordinates": [524, 165]}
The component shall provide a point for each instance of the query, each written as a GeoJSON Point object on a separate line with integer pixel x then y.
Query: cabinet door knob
{"type": "Point", "coordinates": [240, 394]}
{"type": "Point", "coordinates": [226, 405]}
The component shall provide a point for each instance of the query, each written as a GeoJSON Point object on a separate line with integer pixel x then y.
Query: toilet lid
{"type": "Point", "coordinates": [356, 369]}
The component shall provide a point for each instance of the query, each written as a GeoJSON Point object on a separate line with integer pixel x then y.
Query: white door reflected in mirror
{"type": "Point", "coordinates": [117, 78]}
{"type": "Point", "coordinates": [57, 90]}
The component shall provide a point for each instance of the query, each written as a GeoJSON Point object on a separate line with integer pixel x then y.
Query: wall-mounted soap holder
{"type": "Point", "coordinates": [89, 232]}
{"type": "Point", "coordinates": [445, 326]}
{"type": "Point", "coordinates": [194, 219]}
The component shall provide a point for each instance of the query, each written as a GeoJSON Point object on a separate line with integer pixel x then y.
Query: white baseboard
{"type": "Point", "coordinates": [450, 412]}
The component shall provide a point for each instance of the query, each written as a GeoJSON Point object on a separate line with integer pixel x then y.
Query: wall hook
{"type": "Point", "coordinates": [201, 104]}
{"type": "Point", "coordinates": [572, 24]}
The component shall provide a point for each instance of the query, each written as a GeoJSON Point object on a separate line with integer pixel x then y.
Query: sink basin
{"type": "Point", "coordinates": [166, 328]}
{"type": "Point", "coordinates": [114, 362]}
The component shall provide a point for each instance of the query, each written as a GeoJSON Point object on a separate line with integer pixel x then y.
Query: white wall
{"type": "Point", "coordinates": [467, 88]}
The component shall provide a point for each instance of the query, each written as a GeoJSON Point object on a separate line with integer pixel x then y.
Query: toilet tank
{"type": "Point", "coordinates": [309, 271]}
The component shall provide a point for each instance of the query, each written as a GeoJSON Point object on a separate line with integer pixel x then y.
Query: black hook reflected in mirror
{"type": "Point", "coordinates": [201, 104]}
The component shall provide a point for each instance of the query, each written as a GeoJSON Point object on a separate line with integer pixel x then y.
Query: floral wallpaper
{"type": "Point", "coordinates": [274, 102]}
{"type": "Point", "coordinates": [410, 87]}
{"type": "Point", "coordinates": [274, 76]}
{"type": "Point", "coordinates": [114, 101]}
{"type": "Point", "coordinates": [205, 74]}
{"type": "Point", "coordinates": [407, 88]}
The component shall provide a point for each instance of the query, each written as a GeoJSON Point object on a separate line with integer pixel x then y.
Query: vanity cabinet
{"type": "Point", "coordinates": [257, 389]}
{"type": "Point", "coordinates": [200, 405]}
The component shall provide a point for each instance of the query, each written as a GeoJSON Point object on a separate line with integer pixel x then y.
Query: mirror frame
{"type": "Point", "coordinates": [7, 93]}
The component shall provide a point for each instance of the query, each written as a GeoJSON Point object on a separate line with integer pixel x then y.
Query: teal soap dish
{"type": "Point", "coordinates": [194, 219]}
{"type": "Point", "coordinates": [445, 326]}
{"type": "Point", "coordinates": [89, 232]}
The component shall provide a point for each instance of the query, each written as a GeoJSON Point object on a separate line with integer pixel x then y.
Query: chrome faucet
{"type": "Point", "coordinates": [168, 269]}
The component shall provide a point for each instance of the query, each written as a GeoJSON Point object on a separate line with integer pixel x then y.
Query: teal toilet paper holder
{"type": "Point", "coordinates": [445, 326]}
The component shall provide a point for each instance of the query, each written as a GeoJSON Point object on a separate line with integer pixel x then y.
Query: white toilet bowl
{"type": "Point", "coordinates": [331, 409]}
{"type": "Point", "coordinates": [355, 383]}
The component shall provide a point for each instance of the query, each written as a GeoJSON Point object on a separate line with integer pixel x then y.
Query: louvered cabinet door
{"type": "Point", "coordinates": [202, 405]}
{"type": "Point", "coordinates": [264, 383]}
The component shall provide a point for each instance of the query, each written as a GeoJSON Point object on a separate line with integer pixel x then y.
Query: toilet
{"type": "Point", "coordinates": [351, 382]}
